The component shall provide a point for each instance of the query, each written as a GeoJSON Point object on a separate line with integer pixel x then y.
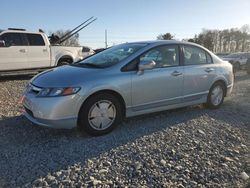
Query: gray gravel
{"type": "Point", "coordinates": [188, 147]}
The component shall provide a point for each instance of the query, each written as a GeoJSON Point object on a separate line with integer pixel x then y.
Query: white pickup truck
{"type": "Point", "coordinates": [22, 50]}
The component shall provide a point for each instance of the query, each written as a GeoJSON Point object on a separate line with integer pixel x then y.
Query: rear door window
{"type": "Point", "coordinates": [35, 40]}
{"type": "Point", "coordinates": [195, 56]}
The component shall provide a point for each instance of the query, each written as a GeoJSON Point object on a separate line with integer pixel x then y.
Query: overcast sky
{"type": "Point", "coordinates": [125, 20]}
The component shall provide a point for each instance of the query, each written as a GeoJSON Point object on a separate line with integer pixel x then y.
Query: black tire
{"type": "Point", "coordinates": [64, 62]}
{"type": "Point", "coordinates": [83, 117]}
{"type": "Point", "coordinates": [210, 104]}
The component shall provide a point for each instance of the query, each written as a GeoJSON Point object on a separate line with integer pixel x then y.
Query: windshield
{"type": "Point", "coordinates": [112, 56]}
{"type": "Point", "coordinates": [233, 55]}
{"type": "Point", "coordinates": [1, 31]}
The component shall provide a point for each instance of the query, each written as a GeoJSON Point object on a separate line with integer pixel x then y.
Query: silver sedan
{"type": "Point", "coordinates": [127, 80]}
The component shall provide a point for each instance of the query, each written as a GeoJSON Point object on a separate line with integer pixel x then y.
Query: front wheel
{"type": "Point", "coordinates": [216, 96]}
{"type": "Point", "coordinates": [100, 114]}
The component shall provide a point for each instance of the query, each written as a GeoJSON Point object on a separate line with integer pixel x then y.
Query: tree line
{"type": "Point", "coordinates": [220, 41]}
{"type": "Point", "coordinates": [72, 41]}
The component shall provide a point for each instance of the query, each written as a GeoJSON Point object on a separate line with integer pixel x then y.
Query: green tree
{"type": "Point", "coordinates": [227, 40]}
{"type": "Point", "coordinates": [166, 36]}
{"type": "Point", "coordinates": [72, 41]}
{"type": "Point", "coordinates": [191, 40]}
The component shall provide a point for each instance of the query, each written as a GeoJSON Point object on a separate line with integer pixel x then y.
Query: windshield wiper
{"type": "Point", "coordinates": [90, 64]}
{"type": "Point", "coordinates": [87, 65]}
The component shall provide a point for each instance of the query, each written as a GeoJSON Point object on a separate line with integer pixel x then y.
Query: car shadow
{"type": "Point", "coordinates": [29, 151]}
{"type": "Point", "coordinates": [16, 77]}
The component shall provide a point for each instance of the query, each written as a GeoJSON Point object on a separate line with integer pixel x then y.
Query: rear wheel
{"type": "Point", "coordinates": [62, 62]}
{"type": "Point", "coordinates": [100, 114]}
{"type": "Point", "coordinates": [216, 96]}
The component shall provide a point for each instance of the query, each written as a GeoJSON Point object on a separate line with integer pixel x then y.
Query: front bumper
{"type": "Point", "coordinates": [53, 112]}
{"type": "Point", "coordinates": [57, 124]}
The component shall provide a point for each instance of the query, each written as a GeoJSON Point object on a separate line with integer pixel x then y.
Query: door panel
{"type": "Point", "coordinates": [13, 58]}
{"type": "Point", "coordinates": [156, 88]}
{"type": "Point", "coordinates": [197, 81]}
{"type": "Point", "coordinates": [14, 55]}
{"type": "Point", "coordinates": [162, 85]}
{"type": "Point", "coordinates": [38, 52]}
{"type": "Point", "coordinates": [199, 73]}
{"type": "Point", "coordinates": [38, 56]}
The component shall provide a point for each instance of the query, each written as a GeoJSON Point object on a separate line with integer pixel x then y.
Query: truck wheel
{"type": "Point", "coordinates": [64, 62]}
{"type": "Point", "coordinates": [100, 114]}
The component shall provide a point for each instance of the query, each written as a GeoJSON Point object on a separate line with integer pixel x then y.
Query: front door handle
{"type": "Point", "coordinates": [45, 50]}
{"type": "Point", "coordinates": [176, 73]}
{"type": "Point", "coordinates": [209, 70]}
{"type": "Point", "coordinates": [22, 50]}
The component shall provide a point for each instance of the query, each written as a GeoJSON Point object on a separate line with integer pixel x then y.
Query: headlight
{"type": "Point", "coordinates": [54, 92]}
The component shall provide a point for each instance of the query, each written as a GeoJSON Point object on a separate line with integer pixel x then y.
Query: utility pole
{"type": "Point", "coordinates": [106, 42]}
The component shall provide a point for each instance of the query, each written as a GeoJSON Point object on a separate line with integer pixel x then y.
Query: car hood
{"type": "Point", "coordinates": [63, 76]}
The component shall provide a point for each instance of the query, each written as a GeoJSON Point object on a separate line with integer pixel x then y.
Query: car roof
{"type": "Point", "coordinates": [166, 42]}
{"type": "Point", "coordinates": [162, 42]}
{"type": "Point", "coordinates": [19, 31]}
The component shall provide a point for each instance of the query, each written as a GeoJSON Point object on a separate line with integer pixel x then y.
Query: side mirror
{"type": "Point", "coordinates": [2, 43]}
{"type": "Point", "coordinates": [145, 65]}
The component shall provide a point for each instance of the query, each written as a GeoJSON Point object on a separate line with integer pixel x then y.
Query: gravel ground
{"type": "Point", "coordinates": [188, 147]}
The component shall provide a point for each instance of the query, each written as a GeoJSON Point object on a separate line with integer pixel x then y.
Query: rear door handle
{"type": "Point", "coordinates": [209, 70]}
{"type": "Point", "coordinates": [22, 50]}
{"type": "Point", "coordinates": [176, 73]}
